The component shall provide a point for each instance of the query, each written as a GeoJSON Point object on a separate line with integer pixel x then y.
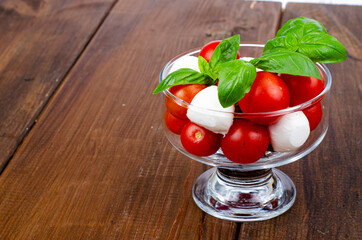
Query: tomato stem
{"type": "Point", "coordinates": [198, 134]}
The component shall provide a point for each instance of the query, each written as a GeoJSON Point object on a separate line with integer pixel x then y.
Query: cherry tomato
{"type": "Point", "coordinates": [199, 141]}
{"type": "Point", "coordinates": [268, 93]}
{"type": "Point", "coordinates": [186, 93]}
{"type": "Point", "coordinates": [207, 50]}
{"type": "Point", "coordinates": [302, 88]}
{"type": "Point", "coordinates": [246, 141]}
{"type": "Point", "coordinates": [173, 123]}
{"type": "Point", "coordinates": [314, 115]}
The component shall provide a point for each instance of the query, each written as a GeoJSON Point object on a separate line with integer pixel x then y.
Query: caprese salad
{"type": "Point", "coordinates": [219, 83]}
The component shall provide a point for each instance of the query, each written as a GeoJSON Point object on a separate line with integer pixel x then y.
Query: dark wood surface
{"type": "Point", "coordinates": [39, 43]}
{"type": "Point", "coordinates": [96, 164]}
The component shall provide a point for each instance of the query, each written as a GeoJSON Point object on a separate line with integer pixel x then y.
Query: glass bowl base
{"type": "Point", "coordinates": [244, 196]}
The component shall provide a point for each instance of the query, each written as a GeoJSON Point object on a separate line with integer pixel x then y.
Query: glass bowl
{"type": "Point", "coordinates": [255, 191]}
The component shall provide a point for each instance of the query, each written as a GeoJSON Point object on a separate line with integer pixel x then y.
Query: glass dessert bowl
{"type": "Point", "coordinates": [246, 192]}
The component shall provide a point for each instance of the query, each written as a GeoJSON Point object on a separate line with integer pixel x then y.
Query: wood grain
{"type": "Point", "coordinates": [328, 179]}
{"type": "Point", "coordinates": [96, 165]}
{"type": "Point", "coordinates": [39, 42]}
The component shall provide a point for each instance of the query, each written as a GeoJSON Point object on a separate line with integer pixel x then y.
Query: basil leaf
{"type": "Point", "coordinates": [319, 47]}
{"type": "Point", "coordinates": [283, 43]}
{"type": "Point", "coordinates": [301, 26]}
{"type": "Point", "coordinates": [235, 79]}
{"type": "Point", "coordinates": [227, 50]}
{"type": "Point", "coordinates": [205, 68]}
{"type": "Point", "coordinates": [309, 37]}
{"type": "Point", "coordinates": [322, 48]}
{"type": "Point", "coordinates": [287, 62]}
{"type": "Point", "coordinates": [182, 76]}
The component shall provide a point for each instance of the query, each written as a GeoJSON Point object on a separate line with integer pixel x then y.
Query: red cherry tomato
{"type": "Point", "coordinates": [268, 93]}
{"type": "Point", "coordinates": [199, 141]}
{"type": "Point", "coordinates": [246, 141]}
{"type": "Point", "coordinates": [207, 50]}
{"type": "Point", "coordinates": [314, 115]}
{"type": "Point", "coordinates": [186, 93]}
{"type": "Point", "coordinates": [302, 88]}
{"type": "Point", "coordinates": [173, 123]}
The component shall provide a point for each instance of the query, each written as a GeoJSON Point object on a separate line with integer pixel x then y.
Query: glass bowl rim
{"type": "Point", "coordinates": [284, 111]}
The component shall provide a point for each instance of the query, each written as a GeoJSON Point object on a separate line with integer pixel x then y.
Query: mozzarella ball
{"type": "Point", "coordinates": [290, 132]}
{"type": "Point", "coordinates": [217, 122]}
{"type": "Point", "coordinates": [185, 62]}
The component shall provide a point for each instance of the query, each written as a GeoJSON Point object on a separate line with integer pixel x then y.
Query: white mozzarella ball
{"type": "Point", "coordinates": [290, 132]}
{"type": "Point", "coordinates": [218, 122]}
{"type": "Point", "coordinates": [185, 62]}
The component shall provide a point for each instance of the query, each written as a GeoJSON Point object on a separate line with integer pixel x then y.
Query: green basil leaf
{"type": "Point", "coordinates": [309, 37]}
{"type": "Point", "coordinates": [322, 48]}
{"type": "Point", "coordinates": [283, 43]}
{"type": "Point", "coordinates": [227, 50]}
{"type": "Point", "coordinates": [274, 45]}
{"type": "Point", "coordinates": [319, 47]}
{"type": "Point", "coordinates": [287, 62]}
{"type": "Point", "coordinates": [235, 79]}
{"type": "Point", "coordinates": [300, 27]}
{"type": "Point", "coordinates": [205, 68]}
{"type": "Point", "coordinates": [203, 65]}
{"type": "Point", "coordinates": [182, 76]}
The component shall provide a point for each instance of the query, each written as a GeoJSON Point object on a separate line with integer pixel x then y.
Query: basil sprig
{"type": "Point", "coordinates": [224, 52]}
{"type": "Point", "coordinates": [297, 46]}
{"type": "Point", "coordinates": [308, 37]}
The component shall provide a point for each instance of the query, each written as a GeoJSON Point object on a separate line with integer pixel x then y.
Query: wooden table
{"type": "Point", "coordinates": [82, 153]}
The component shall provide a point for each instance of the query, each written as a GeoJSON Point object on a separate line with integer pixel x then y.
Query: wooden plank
{"type": "Point", "coordinates": [97, 165]}
{"type": "Point", "coordinates": [328, 179]}
{"type": "Point", "coordinates": [39, 42]}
